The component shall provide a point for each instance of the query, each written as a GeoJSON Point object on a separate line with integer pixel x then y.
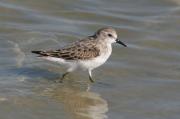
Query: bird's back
{"type": "Point", "coordinates": [79, 50]}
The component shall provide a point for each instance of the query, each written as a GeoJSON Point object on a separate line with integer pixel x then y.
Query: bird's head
{"type": "Point", "coordinates": [108, 35]}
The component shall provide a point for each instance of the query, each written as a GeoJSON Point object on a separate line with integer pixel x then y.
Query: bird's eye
{"type": "Point", "coordinates": [110, 35]}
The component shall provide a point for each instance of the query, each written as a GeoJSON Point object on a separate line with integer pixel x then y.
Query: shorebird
{"type": "Point", "coordinates": [86, 54]}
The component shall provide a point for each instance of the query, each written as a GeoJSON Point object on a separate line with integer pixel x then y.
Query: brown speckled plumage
{"type": "Point", "coordinates": [80, 50]}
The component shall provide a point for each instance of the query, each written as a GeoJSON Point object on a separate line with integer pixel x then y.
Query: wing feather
{"type": "Point", "coordinates": [81, 50]}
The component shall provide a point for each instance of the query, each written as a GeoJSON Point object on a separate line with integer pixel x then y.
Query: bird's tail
{"type": "Point", "coordinates": [40, 53]}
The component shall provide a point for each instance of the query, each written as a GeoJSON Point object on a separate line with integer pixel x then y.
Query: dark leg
{"type": "Point", "coordinates": [90, 76]}
{"type": "Point", "coordinates": [63, 76]}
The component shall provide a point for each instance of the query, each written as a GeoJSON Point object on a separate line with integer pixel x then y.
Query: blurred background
{"type": "Point", "coordinates": [138, 82]}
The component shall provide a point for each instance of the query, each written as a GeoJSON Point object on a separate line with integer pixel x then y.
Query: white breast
{"type": "Point", "coordinates": [98, 61]}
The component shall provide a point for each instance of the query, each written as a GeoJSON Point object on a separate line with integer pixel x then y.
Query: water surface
{"type": "Point", "coordinates": [138, 82]}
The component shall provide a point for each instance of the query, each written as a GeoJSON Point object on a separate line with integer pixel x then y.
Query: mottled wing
{"type": "Point", "coordinates": [81, 50]}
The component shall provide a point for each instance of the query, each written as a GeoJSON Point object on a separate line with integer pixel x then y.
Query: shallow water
{"type": "Point", "coordinates": [138, 82]}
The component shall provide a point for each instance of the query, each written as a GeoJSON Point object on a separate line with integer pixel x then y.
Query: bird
{"type": "Point", "coordinates": [85, 54]}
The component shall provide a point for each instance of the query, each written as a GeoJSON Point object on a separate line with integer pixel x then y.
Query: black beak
{"type": "Point", "coordinates": [120, 42]}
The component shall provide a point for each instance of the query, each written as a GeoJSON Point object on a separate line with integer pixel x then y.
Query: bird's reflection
{"type": "Point", "coordinates": [78, 100]}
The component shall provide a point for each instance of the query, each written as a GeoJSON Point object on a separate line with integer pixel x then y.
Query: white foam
{"type": "Point", "coordinates": [20, 56]}
{"type": "Point", "coordinates": [3, 99]}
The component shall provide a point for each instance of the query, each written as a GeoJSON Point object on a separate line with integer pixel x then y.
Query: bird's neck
{"type": "Point", "coordinates": [105, 47]}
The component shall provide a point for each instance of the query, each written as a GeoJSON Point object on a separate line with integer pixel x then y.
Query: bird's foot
{"type": "Point", "coordinates": [62, 78]}
{"type": "Point", "coordinates": [91, 79]}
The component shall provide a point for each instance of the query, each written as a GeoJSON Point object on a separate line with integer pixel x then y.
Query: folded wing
{"type": "Point", "coordinates": [77, 51]}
